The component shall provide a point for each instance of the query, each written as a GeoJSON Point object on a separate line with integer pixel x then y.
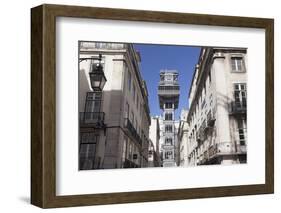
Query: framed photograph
{"type": "Point", "coordinates": [137, 106]}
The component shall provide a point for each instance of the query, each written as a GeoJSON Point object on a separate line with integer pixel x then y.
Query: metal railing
{"type": "Point", "coordinates": [129, 126]}
{"type": "Point", "coordinates": [101, 45]}
{"type": "Point", "coordinates": [226, 148]}
{"type": "Point", "coordinates": [92, 118]}
{"type": "Point", "coordinates": [168, 90]}
{"type": "Point", "coordinates": [166, 82]}
{"type": "Point", "coordinates": [210, 118]}
{"type": "Point", "coordinates": [130, 164]}
{"type": "Point", "coordinates": [238, 107]}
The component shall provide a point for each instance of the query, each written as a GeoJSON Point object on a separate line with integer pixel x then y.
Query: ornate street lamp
{"type": "Point", "coordinates": [97, 77]}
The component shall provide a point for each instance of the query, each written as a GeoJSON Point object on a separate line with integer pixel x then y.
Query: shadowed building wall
{"type": "Point", "coordinates": [122, 141]}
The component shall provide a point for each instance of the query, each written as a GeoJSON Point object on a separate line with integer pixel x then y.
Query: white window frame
{"type": "Point", "coordinates": [237, 63]}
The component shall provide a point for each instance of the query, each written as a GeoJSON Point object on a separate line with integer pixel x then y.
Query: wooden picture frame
{"type": "Point", "coordinates": [43, 105]}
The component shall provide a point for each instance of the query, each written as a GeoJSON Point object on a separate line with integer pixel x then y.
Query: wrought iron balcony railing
{"type": "Point", "coordinates": [130, 164]}
{"type": "Point", "coordinates": [129, 126]}
{"type": "Point", "coordinates": [211, 118]}
{"type": "Point", "coordinates": [95, 119]}
{"type": "Point", "coordinates": [238, 107]}
{"type": "Point", "coordinates": [226, 148]}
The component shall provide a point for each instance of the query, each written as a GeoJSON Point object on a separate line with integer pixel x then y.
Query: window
{"type": "Point", "coordinates": [93, 102]}
{"type": "Point", "coordinates": [168, 77]}
{"type": "Point", "coordinates": [203, 91]}
{"type": "Point", "coordinates": [237, 64]}
{"type": "Point", "coordinates": [134, 91]}
{"type": "Point", "coordinates": [168, 155]}
{"type": "Point", "coordinates": [240, 95]}
{"type": "Point", "coordinates": [168, 116]}
{"type": "Point", "coordinates": [132, 117]}
{"type": "Point", "coordinates": [88, 137]}
{"type": "Point", "coordinates": [242, 130]}
{"type": "Point", "coordinates": [130, 151]}
{"type": "Point", "coordinates": [129, 80]}
{"type": "Point", "coordinates": [168, 88]}
{"type": "Point", "coordinates": [168, 105]}
{"type": "Point", "coordinates": [124, 149]}
{"type": "Point", "coordinates": [87, 150]}
{"type": "Point", "coordinates": [169, 128]}
{"type": "Point", "coordinates": [203, 104]}
{"type": "Point", "coordinates": [92, 107]}
{"type": "Point", "coordinates": [168, 141]}
{"type": "Point", "coordinates": [211, 100]}
{"type": "Point", "coordinates": [127, 110]}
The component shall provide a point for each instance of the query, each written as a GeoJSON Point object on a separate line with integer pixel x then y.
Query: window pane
{"type": "Point", "coordinates": [87, 150]}
{"type": "Point", "coordinates": [94, 95]}
{"type": "Point", "coordinates": [97, 106]}
{"type": "Point", "coordinates": [124, 149]}
{"type": "Point", "coordinates": [233, 65]}
{"type": "Point", "coordinates": [129, 80]}
{"type": "Point", "coordinates": [89, 137]}
{"type": "Point", "coordinates": [239, 64]}
{"type": "Point", "coordinates": [236, 63]}
{"type": "Point", "coordinates": [168, 116]}
{"type": "Point", "coordinates": [240, 95]}
{"type": "Point", "coordinates": [89, 106]}
{"type": "Point", "coordinates": [93, 102]}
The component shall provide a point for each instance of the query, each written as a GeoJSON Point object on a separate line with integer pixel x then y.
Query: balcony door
{"type": "Point", "coordinates": [92, 106]}
{"type": "Point", "coordinates": [240, 95]}
{"type": "Point", "coordinates": [87, 150]}
{"type": "Point", "coordinates": [242, 131]}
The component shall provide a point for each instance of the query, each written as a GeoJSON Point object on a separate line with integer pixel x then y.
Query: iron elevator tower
{"type": "Point", "coordinates": [168, 94]}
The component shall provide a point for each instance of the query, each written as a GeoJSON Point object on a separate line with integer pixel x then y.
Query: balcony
{"type": "Point", "coordinates": [241, 149]}
{"type": "Point", "coordinates": [130, 164]}
{"type": "Point", "coordinates": [168, 90]}
{"type": "Point", "coordinates": [204, 157]}
{"type": "Point", "coordinates": [91, 119]}
{"type": "Point", "coordinates": [226, 148]}
{"type": "Point", "coordinates": [211, 119]}
{"type": "Point", "coordinates": [167, 146]}
{"type": "Point", "coordinates": [131, 129]}
{"type": "Point", "coordinates": [238, 107]}
{"type": "Point", "coordinates": [169, 82]}
{"type": "Point", "coordinates": [201, 133]}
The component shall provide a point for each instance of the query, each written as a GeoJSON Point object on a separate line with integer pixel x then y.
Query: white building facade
{"type": "Point", "coordinates": [114, 123]}
{"type": "Point", "coordinates": [217, 117]}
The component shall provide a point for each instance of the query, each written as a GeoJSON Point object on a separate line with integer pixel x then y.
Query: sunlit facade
{"type": "Point", "coordinates": [217, 117]}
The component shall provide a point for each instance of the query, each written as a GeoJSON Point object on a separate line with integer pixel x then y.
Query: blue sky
{"type": "Point", "coordinates": [157, 57]}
